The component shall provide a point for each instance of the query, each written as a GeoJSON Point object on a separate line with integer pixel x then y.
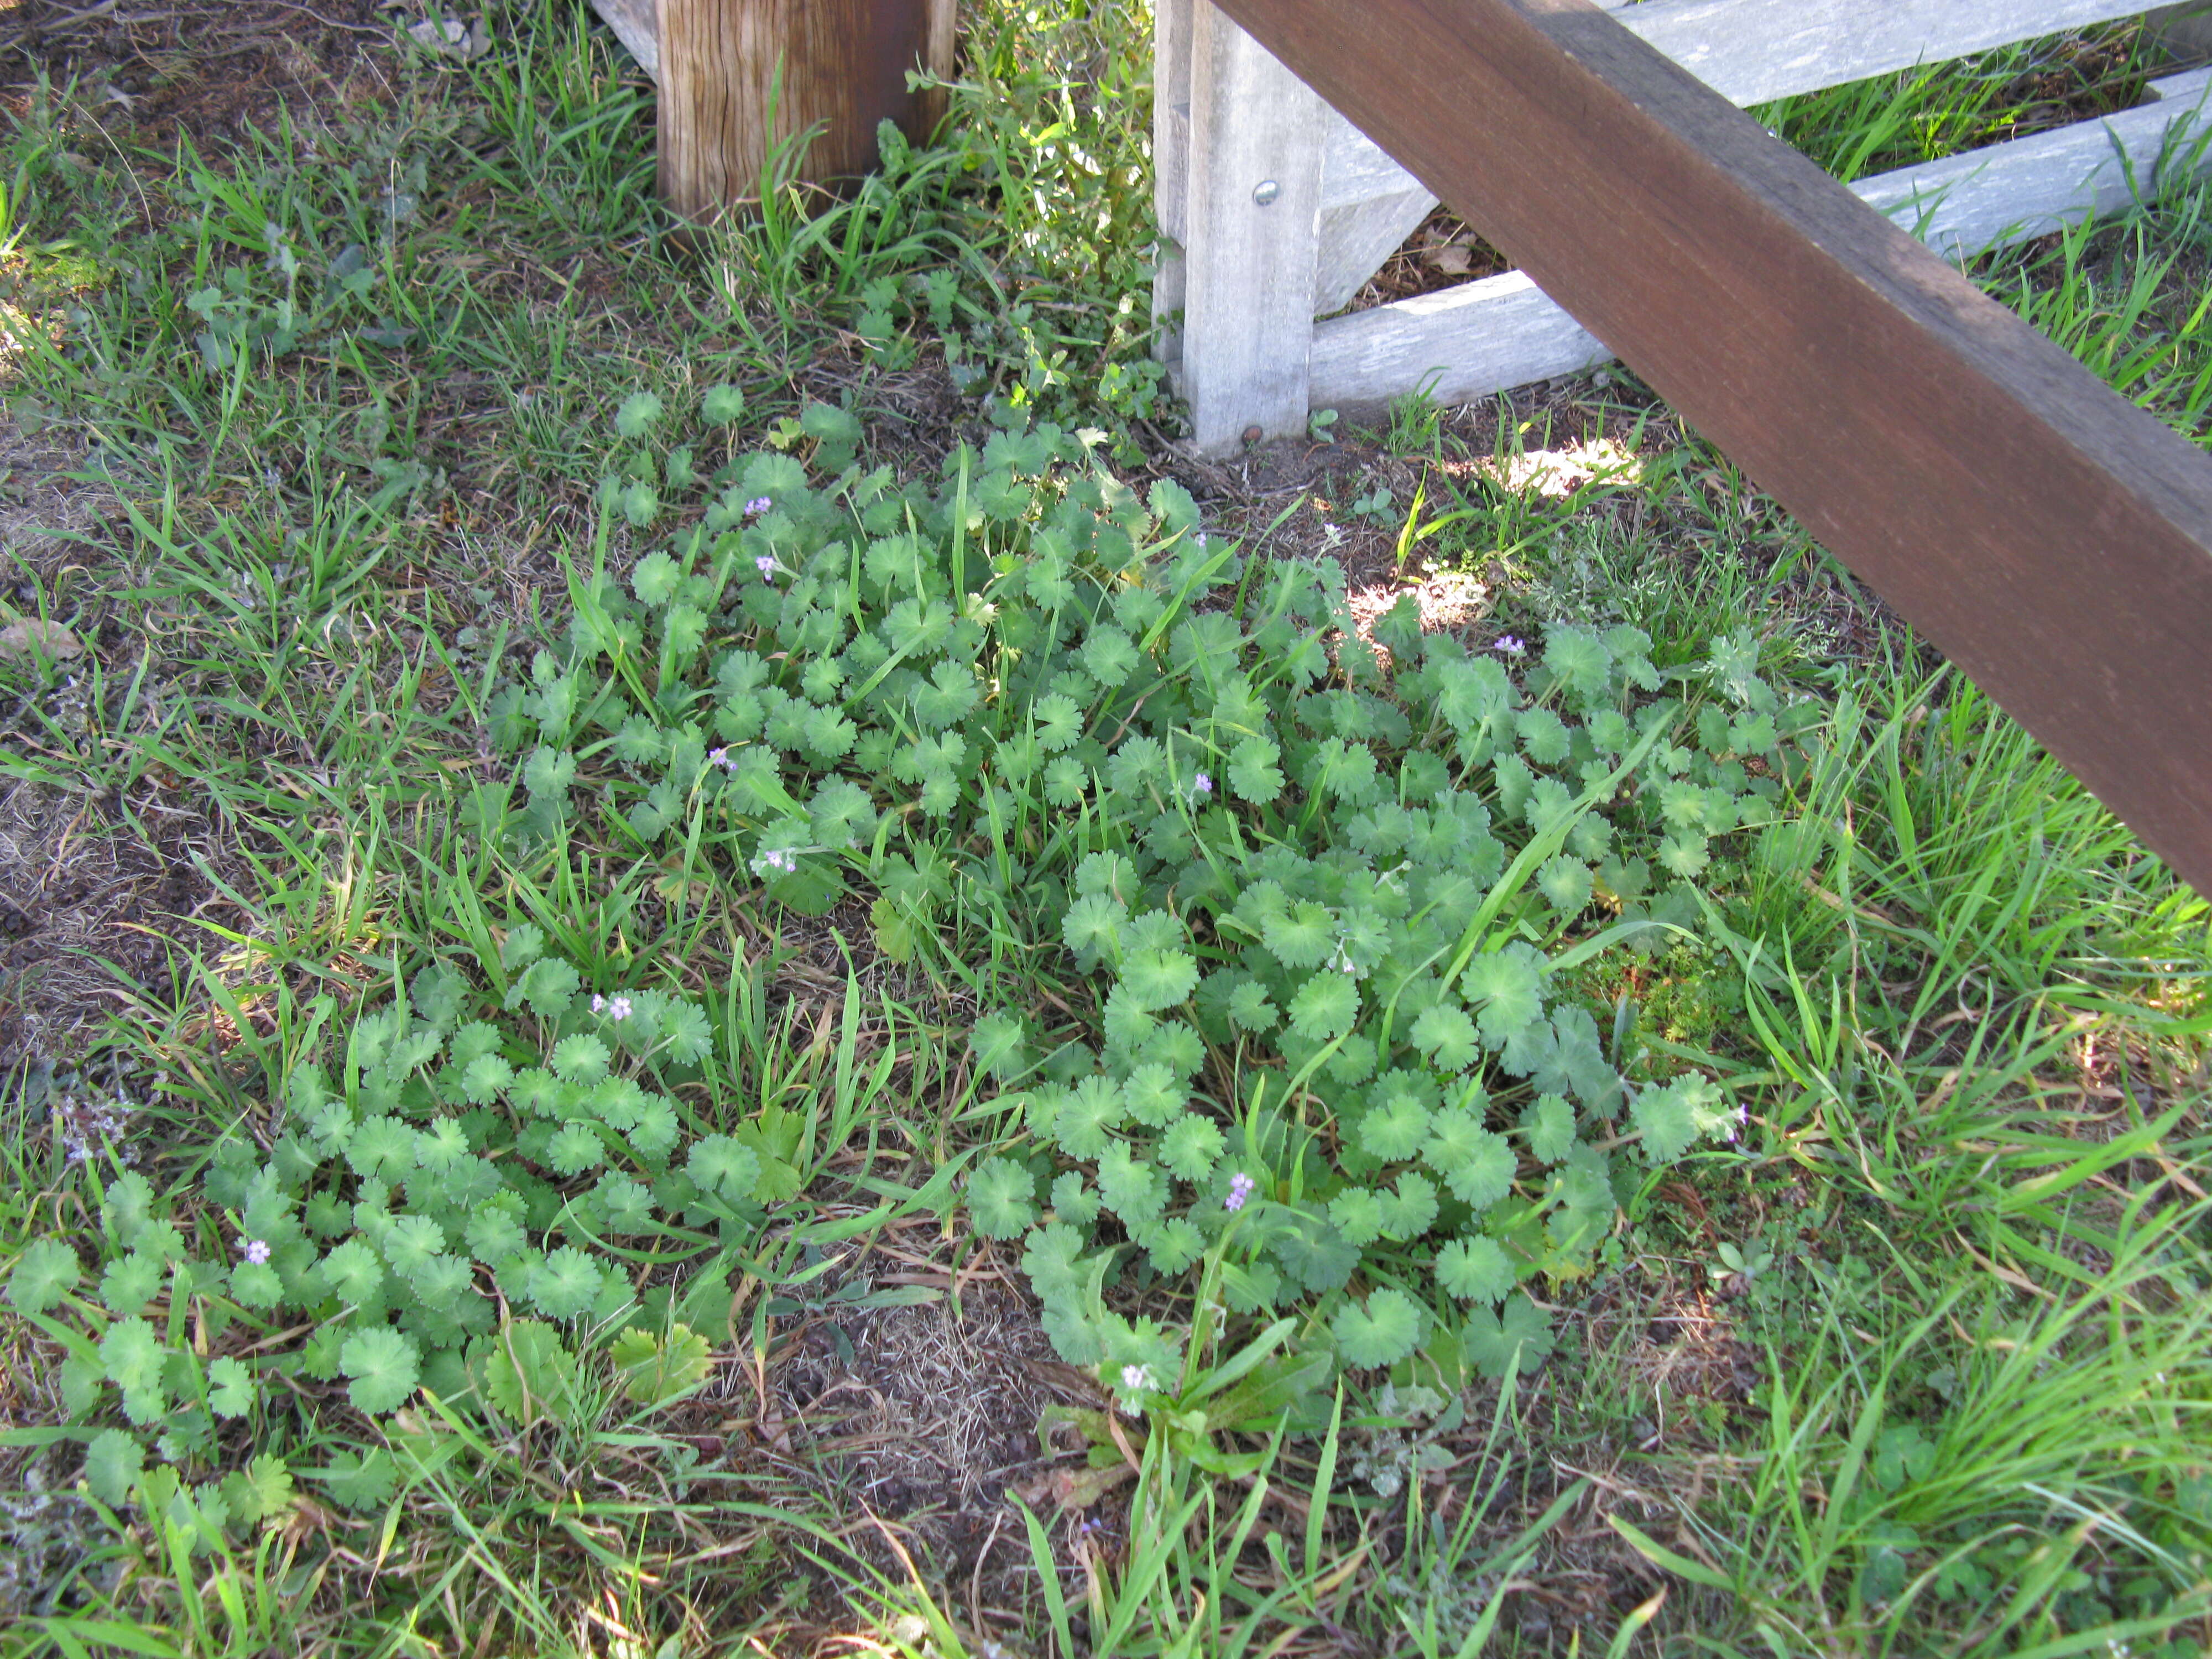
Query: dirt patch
{"type": "Point", "coordinates": [199, 67]}
{"type": "Point", "coordinates": [908, 1391]}
{"type": "Point", "coordinates": [89, 900]}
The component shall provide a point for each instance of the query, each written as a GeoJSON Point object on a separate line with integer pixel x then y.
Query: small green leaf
{"type": "Point", "coordinates": [728, 1169]}
{"type": "Point", "coordinates": [132, 1355]}
{"type": "Point", "coordinates": [997, 1044]}
{"type": "Point", "coordinates": [1475, 1270]}
{"type": "Point", "coordinates": [1672, 1116]}
{"type": "Point", "coordinates": [230, 1387]}
{"type": "Point", "coordinates": [528, 1373]}
{"type": "Point", "coordinates": [1253, 775]}
{"type": "Point", "coordinates": [547, 987]}
{"type": "Point", "coordinates": [1001, 1199]}
{"type": "Point", "coordinates": [1391, 1326]}
{"type": "Point", "coordinates": [1108, 656]}
{"type": "Point", "coordinates": [1550, 1122]}
{"type": "Point", "coordinates": [1507, 987]}
{"type": "Point", "coordinates": [1304, 936]}
{"type": "Point", "coordinates": [1154, 1094]}
{"type": "Point", "coordinates": [581, 1058]}
{"type": "Point", "coordinates": [362, 1480]}
{"type": "Point", "coordinates": [262, 1490]}
{"type": "Point", "coordinates": [548, 772]}
{"type": "Point", "coordinates": [112, 1464]}
{"type": "Point", "coordinates": [1249, 1009]}
{"type": "Point", "coordinates": [1094, 923]}
{"type": "Point", "coordinates": [1192, 1147]}
{"type": "Point", "coordinates": [1446, 1035]}
{"type": "Point", "coordinates": [385, 1365]}
{"type": "Point", "coordinates": [47, 1272]}
{"type": "Point", "coordinates": [485, 1078]}
{"type": "Point", "coordinates": [654, 1371]}
{"type": "Point", "coordinates": [1477, 1164]}
{"type": "Point", "coordinates": [1395, 1127]}
{"type": "Point", "coordinates": [656, 579]}
{"type": "Point", "coordinates": [1491, 1340]}
{"type": "Point", "coordinates": [1327, 1005]}
{"type": "Point", "coordinates": [574, 1148]}
{"type": "Point", "coordinates": [1565, 883]}
{"type": "Point", "coordinates": [1357, 1214]}
{"type": "Point", "coordinates": [1160, 979]}
{"type": "Point", "coordinates": [565, 1285]}
{"type": "Point", "coordinates": [638, 413]}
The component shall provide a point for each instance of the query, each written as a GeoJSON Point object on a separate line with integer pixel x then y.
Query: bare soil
{"type": "Point", "coordinates": [196, 68]}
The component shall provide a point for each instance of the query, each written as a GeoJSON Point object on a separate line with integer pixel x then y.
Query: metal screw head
{"type": "Point", "coordinates": [1267, 192]}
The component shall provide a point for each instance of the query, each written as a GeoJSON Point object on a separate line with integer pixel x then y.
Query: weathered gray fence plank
{"type": "Point", "coordinates": [1254, 184]}
{"type": "Point", "coordinates": [1487, 337]}
{"type": "Point", "coordinates": [1751, 51]}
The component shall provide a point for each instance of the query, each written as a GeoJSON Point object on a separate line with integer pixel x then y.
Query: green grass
{"type": "Point", "coordinates": [1917, 1364]}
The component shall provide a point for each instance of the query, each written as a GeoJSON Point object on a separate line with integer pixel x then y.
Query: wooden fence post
{"type": "Point", "coordinates": [1252, 178]}
{"type": "Point", "coordinates": [843, 65]}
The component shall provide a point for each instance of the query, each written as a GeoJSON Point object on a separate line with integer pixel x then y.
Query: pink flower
{"type": "Point", "coordinates": [256, 1251]}
{"type": "Point", "coordinates": [1241, 1188]}
{"type": "Point", "coordinates": [1508, 645]}
{"type": "Point", "coordinates": [619, 1008]}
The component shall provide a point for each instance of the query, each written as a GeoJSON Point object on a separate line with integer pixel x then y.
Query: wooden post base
{"type": "Point", "coordinates": [738, 76]}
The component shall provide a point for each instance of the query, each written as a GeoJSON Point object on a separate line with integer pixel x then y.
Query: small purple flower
{"type": "Point", "coordinates": [619, 1008]}
{"type": "Point", "coordinates": [598, 1005]}
{"type": "Point", "coordinates": [256, 1251]}
{"type": "Point", "coordinates": [1202, 784]}
{"type": "Point", "coordinates": [1201, 538]}
{"type": "Point", "coordinates": [717, 757]}
{"type": "Point", "coordinates": [766, 565]}
{"type": "Point", "coordinates": [758, 505]}
{"type": "Point", "coordinates": [1509, 645]}
{"type": "Point", "coordinates": [1241, 1188]}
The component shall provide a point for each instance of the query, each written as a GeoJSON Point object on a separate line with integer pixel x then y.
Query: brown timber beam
{"type": "Point", "coordinates": [2052, 539]}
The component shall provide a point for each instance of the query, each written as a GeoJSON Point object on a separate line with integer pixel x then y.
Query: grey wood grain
{"type": "Point", "coordinates": [2032, 187]}
{"type": "Point", "coordinates": [1483, 337]}
{"type": "Point", "coordinates": [1254, 208]}
{"type": "Point", "coordinates": [1356, 239]}
{"type": "Point", "coordinates": [1171, 43]}
{"type": "Point", "coordinates": [1754, 50]}
{"type": "Point", "coordinates": [637, 27]}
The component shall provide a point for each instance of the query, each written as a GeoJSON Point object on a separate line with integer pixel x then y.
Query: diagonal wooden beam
{"type": "Point", "coordinates": [2052, 539]}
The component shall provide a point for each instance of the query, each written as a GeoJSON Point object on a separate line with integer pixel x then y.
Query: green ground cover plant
{"type": "Point", "coordinates": [671, 821]}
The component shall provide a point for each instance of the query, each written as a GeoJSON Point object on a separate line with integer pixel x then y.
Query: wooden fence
{"type": "Point", "coordinates": [736, 76]}
{"type": "Point", "coordinates": [2051, 538]}
{"type": "Point", "coordinates": [1276, 209]}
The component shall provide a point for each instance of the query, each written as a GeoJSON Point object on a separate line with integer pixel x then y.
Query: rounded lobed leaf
{"type": "Point", "coordinates": [1389, 1327]}
{"type": "Point", "coordinates": [385, 1365]}
{"type": "Point", "coordinates": [1475, 1270]}
{"type": "Point", "coordinates": [1001, 1199]}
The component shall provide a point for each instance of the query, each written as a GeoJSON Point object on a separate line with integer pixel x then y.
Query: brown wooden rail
{"type": "Point", "coordinates": [2052, 539]}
